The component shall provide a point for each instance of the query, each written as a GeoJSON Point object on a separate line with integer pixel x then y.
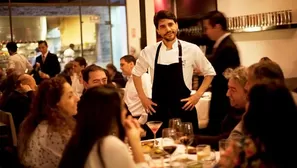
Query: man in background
{"type": "Point", "coordinates": [94, 75]}
{"type": "Point", "coordinates": [17, 62]}
{"type": "Point", "coordinates": [131, 97]}
{"type": "Point", "coordinates": [225, 55]}
{"type": "Point", "coordinates": [47, 64]}
{"type": "Point", "coordinates": [79, 64]}
{"type": "Point", "coordinates": [69, 53]}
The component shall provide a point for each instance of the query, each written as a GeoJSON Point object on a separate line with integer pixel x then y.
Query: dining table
{"type": "Point", "coordinates": [179, 153]}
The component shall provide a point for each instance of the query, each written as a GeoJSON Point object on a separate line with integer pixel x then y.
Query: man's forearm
{"type": "Point", "coordinates": [138, 85]}
{"type": "Point", "coordinates": [204, 86]}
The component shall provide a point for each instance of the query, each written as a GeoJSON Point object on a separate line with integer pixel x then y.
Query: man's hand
{"type": "Point", "coordinates": [191, 102]}
{"type": "Point", "coordinates": [43, 75]}
{"type": "Point", "coordinates": [148, 104]}
{"type": "Point", "coordinates": [37, 64]}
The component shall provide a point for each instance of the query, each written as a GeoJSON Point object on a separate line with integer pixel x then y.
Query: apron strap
{"type": "Point", "coordinates": [180, 53]}
{"type": "Point", "coordinates": [157, 53]}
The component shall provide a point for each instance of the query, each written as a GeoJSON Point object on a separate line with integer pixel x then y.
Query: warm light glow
{"type": "Point", "coordinates": [162, 5]}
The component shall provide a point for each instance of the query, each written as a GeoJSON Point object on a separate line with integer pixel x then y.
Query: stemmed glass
{"type": "Point", "coordinates": [188, 135]}
{"type": "Point", "coordinates": [168, 141]}
{"type": "Point", "coordinates": [154, 126]}
{"type": "Point", "coordinates": [176, 124]}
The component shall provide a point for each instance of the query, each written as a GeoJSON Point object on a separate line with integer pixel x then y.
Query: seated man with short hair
{"type": "Point", "coordinates": [237, 96]}
{"type": "Point", "coordinates": [263, 72]}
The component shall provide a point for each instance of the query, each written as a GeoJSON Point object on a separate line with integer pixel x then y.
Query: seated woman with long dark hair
{"type": "Point", "coordinates": [97, 140]}
{"type": "Point", "coordinates": [46, 130]}
{"type": "Point", "coordinates": [268, 124]}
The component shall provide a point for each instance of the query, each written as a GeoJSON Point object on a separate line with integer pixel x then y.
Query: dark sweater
{"type": "Point", "coordinates": [18, 104]}
{"type": "Point", "coordinates": [227, 125]}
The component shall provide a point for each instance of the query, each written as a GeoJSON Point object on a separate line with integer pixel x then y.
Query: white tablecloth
{"type": "Point", "coordinates": [179, 152]}
{"type": "Point", "coordinates": [202, 108]}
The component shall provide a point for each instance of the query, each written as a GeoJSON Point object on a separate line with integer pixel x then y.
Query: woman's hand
{"type": "Point", "coordinates": [132, 128]}
{"type": "Point", "coordinates": [133, 131]}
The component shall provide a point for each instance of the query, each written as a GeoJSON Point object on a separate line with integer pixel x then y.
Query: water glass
{"type": "Point", "coordinates": [202, 151]}
{"type": "Point", "coordinates": [210, 161]}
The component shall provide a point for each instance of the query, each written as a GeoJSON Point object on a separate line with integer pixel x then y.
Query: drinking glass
{"type": "Point", "coordinates": [176, 124]}
{"type": "Point", "coordinates": [168, 141]}
{"type": "Point", "coordinates": [202, 151]}
{"type": "Point", "coordinates": [210, 160]}
{"type": "Point", "coordinates": [188, 135]}
{"type": "Point", "coordinates": [154, 127]}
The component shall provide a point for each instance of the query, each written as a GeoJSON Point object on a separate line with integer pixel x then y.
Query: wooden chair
{"type": "Point", "coordinates": [6, 120]}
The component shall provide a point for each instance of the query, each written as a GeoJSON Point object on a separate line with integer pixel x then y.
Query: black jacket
{"type": "Point", "coordinates": [51, 66]}
{"type": "Point", "coordinates": [225, 56]}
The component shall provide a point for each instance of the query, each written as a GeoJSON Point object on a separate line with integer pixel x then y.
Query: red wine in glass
{"type": "Point", "coordinates": [169, 149]}
{"type": "Point", "coordinates": [187, 140]}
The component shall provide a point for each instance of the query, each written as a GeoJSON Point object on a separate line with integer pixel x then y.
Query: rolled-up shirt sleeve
{"type": "Point", "coordinates": [203, 64]}
{"type": "Point", "coordinates": [141, 64]}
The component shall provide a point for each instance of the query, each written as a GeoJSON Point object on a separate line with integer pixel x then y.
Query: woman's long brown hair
{"type": "Point", "coordinates": [99, 112]}
{"type": "Point", "coordinates": [44, 108]}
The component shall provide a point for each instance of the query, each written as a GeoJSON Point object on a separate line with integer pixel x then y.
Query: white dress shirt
{"type": "Point", "coordinates": [45, 55]}
{"type": "Point", "coordinates": [218, 42]}
{"type": "Point", "coordinates": [131, 97]}
{"type": "Point", "coordinates": [114, 153]}
{"type": "Point", "coordinates": [19, 63]}
{"type": "Point", "coordinates": [76, 85]}
{"type": "Point", "coordinates": [192, 57]}
{"type": "Point", "coordinates": [69, 53]}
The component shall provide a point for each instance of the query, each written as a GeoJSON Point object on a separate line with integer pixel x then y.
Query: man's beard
{"type": "Point", "coordinates": [170, 38]}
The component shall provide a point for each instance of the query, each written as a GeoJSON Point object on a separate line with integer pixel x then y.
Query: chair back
{"type": "Point", "coordinates": [6, 120]}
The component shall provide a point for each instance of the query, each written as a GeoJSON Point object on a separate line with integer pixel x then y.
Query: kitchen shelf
{"type": "Point", "coordinates": [264, 28]}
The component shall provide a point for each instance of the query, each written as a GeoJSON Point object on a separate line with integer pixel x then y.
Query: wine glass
{"type": "Point", "coordinates": [188, 135]}
{"type": "Point", "coordinates": [168, 141]}
{"type": "Point", "coordinates": [154, 126]}
{"type": "Point", "coordinates": [176, 124]}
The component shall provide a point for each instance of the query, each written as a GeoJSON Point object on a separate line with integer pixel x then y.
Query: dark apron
{"type": "Point", "coordinates": [168, 90]}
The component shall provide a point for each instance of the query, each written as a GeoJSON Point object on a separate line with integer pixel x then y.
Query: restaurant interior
{"type": "Point", "coordinates": [102, 107]}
